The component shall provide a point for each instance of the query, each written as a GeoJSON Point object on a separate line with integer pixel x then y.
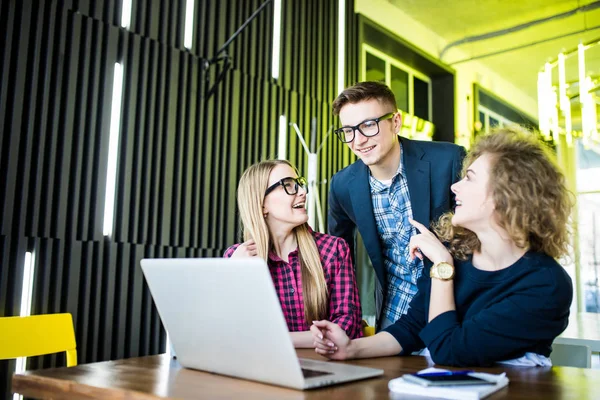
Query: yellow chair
{"type": "Point", "coordinates": [38, 335]}
{"type": "Point", "coordinates": [367, 330]}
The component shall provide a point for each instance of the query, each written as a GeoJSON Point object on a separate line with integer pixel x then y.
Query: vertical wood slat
{"type": "Point", "coordinates": [83, 117]}
{"type": "Point", "coordinates": [28, 124]}
{"type": "Point", "coordinates": [48, 178]}
{"type": "Point", "coordinates": [180, 155]}
{"type": "Point", "coordinates": [195, 216]}
{"type": "Point", "coordinates": [143, 109]}
{"type": "Point", "coordinates": [156, 155]}
{"type": "Point", "coordinates": [10, 108]}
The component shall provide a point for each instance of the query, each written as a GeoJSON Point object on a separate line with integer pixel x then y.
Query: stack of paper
{"type": "Point", "coordinates": [470, 392]}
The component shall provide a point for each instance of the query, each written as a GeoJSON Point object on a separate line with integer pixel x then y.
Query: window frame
{"type": "Point", "coordinates": [412, 73]}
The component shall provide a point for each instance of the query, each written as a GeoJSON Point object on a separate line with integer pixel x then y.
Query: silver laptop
{"type": "Point", "coordinates": [223, 316]}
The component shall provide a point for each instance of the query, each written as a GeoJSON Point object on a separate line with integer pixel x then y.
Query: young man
{"type": "Point", "coordinates": [393, 180]}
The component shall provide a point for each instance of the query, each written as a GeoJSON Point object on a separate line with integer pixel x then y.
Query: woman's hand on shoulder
{"type": "Point", "coordinates": [427, 244]}
{"type": "Point", "coordinates": [246, 249]}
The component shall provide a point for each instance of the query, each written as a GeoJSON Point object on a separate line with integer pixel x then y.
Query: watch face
{"type": "Point", "coordinates": [445, 271]}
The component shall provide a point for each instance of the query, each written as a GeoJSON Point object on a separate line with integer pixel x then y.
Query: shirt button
{"type": "Point", "coordinates": [292, 290]}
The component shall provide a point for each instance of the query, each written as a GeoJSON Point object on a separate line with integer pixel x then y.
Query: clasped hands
{"type": "Point", "coordinates": [332, 341]}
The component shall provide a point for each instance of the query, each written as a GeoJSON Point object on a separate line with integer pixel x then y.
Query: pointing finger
{"type": "Point", "coordinates": [420, 227]}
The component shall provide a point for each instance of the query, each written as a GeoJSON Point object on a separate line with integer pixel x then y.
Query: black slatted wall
{"type": "Point", "coordinates": [180, 153]}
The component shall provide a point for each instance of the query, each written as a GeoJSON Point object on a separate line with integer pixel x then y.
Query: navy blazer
{"type": "Point", "coordinates": [430, 167]}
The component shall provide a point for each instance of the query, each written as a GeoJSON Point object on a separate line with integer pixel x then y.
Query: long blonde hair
{"type": "Point", "coordinates": [532, 202]}
{"type": "Point", "coordinates": [250, 198]}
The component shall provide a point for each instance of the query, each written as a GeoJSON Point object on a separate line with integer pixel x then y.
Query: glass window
{"type": "Point", "coordinates": [494, 123]}
{"type": "Point", "coordinates": [490, 119]}
{"type": "Point", "coordinates": [399, 85]}
{"type": "Point", "coordinates": [482, 127]}
{"type": "Point", "coordinates": [421, 96]}
{"type": "Point", "coordinates": [375, 68]}
{"type": "Point", "coordinates": [588, 207]}
{"type": "Point", "coordinates": [411, 88]}
{"type": "Point", "coordinates": [589, 247]}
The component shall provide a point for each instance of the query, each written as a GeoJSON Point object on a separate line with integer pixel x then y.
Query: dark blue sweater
{"type": "Point", "coordinates": [499, 315]}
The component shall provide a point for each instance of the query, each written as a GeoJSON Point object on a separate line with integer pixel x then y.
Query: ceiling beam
{"type": "Point", "coordinates": [501, 32]}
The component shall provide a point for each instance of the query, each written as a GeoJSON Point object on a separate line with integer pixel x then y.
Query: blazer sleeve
{"type": "Point", "coordinates": [338, 221]}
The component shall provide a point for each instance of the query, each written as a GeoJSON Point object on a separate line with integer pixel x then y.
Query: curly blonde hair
{"type": "Point", "coordinates": [532, 202]}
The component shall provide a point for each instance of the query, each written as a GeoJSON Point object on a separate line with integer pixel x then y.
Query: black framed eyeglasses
{"type": "Point", "coordinates": [290, 185]}
{"type": "Point", "coordinates": [369, 127]}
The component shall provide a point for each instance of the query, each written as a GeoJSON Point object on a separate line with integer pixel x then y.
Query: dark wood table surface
{"type": "Point", "coordinates": [155, 377]}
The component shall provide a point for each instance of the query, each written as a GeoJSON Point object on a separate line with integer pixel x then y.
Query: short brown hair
{"type": "Point", "coordinates": [365, 91]}
{"type": "Point", "coordinates": [532, 202]}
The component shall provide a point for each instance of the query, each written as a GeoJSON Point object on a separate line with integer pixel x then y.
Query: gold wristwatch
{"type": "Point", "coordinates": [442, 271]}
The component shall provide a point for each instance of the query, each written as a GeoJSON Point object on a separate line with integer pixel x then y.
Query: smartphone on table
{"type": "Point", "coordinates": [446, 379]}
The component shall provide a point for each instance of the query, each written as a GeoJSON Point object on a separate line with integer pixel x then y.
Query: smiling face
{"type": "Point", "coordinates": [284, 211]}
{"type": "Point", "coordinates": [474, 203]}
{"type": "Point", "coordinates": [378, 150]}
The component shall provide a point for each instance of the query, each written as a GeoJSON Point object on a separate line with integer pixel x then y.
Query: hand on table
{"type": "Point", "coordinates": [330, 340]}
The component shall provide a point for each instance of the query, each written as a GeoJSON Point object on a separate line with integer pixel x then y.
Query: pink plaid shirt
{"type": "Point", "coordinates": [344, 304]}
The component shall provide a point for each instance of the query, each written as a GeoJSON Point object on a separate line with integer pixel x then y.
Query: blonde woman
{"type": "Point", "coordinates": [496, 293]}
{"type": "Point", "coordinates": [312, 272]}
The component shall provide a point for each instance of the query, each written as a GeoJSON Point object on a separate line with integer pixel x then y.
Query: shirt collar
{"type": "Point", "coordinates": [377, 186]}
{"type": "Point", "coordinates": [274, 257]}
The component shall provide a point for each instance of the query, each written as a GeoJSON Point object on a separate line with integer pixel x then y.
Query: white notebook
{"type": "Point", "coordinates": [470, 392]}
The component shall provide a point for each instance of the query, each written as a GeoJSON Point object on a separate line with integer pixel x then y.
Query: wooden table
{"type": "Point", "coordinates": [157, 377]}
{"type": "Point", "coordinates": [584, 328]}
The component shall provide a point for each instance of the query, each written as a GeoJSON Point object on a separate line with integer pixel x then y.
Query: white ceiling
{"type": "Point", "coordinates": [457, 19]}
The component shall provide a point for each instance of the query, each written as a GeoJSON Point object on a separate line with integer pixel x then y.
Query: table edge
{"type": "Point", "coordinates": [41, 386]}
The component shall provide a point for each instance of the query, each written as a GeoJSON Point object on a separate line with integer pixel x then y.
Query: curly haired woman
{"type": "Point", "coordinates": [495, 292]}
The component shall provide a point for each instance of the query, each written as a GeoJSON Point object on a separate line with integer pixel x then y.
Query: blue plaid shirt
{"type": "Point", "coordinates": [392, 209]}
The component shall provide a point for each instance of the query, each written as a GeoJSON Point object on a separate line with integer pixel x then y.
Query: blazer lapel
{"type": "Point", "coordinates": [418, 179]}
{"type": "Point", "coordinates": [365, 219]}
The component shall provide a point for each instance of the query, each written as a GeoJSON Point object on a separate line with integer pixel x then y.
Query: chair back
{"type": "Point", "coordinates": [367, 330]}
{"type": "Point", "coordinates": [38, 335]}
{"type": "Point", "coordinates": [571, 355]}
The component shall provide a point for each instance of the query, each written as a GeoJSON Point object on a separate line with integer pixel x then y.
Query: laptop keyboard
{"type": "Point", "coordinates": [311, 373]}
